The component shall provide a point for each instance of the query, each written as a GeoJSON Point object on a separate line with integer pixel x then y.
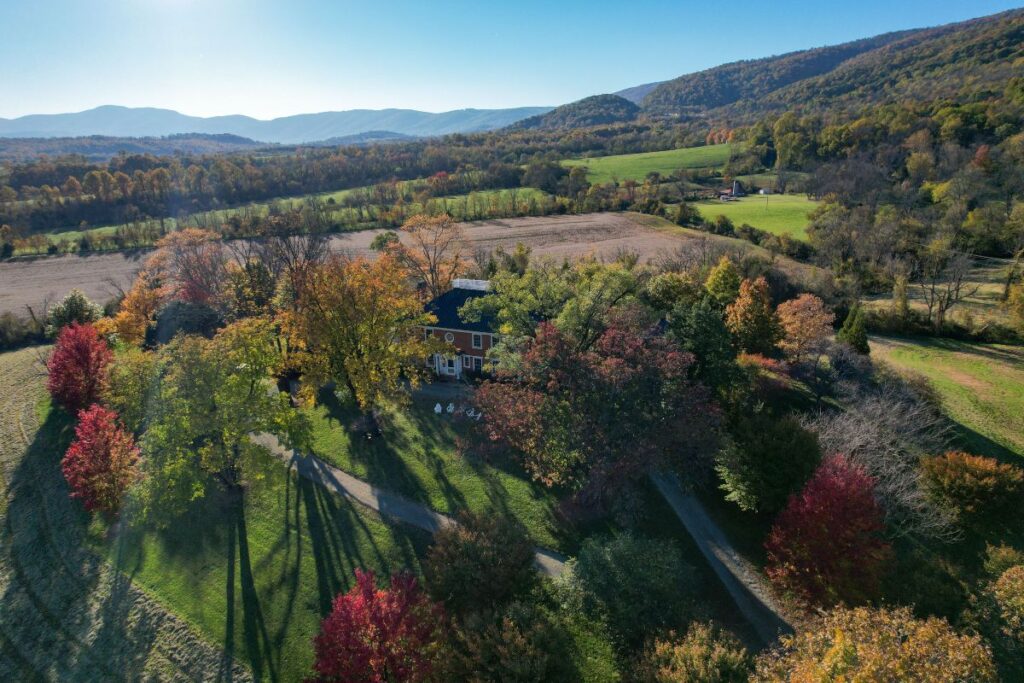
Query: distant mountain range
{"type": "Point", "coordinates": [149, 122]}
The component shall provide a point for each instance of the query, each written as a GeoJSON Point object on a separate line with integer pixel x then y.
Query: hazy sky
{"type": "Point", "coordinates": [268, 59]}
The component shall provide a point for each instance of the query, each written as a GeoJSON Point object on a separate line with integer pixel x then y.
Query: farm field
{"type": "Point", "coordinates": [780, 214]}
{"type": "Point", "coordinates": [980, 386]}
{"type": "Point", "coordinates": [637, 166]}
{"type": "Point", "coordinates": [33, 281]}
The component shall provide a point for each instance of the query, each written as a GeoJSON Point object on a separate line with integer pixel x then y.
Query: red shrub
{"type": "Point", "coordinates": [374, 635]}
{"type": "Point", "coordinates": [78, 367]}
{"type": "Point", "coordinates": [826, 546]}
{"type": "Point", "coordinates": [100, 463]}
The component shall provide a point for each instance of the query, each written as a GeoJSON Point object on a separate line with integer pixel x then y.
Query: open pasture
{"type": "Point", "coordinates": [637, 166]}
{"type": "Point", "coordinates": [780, 214]}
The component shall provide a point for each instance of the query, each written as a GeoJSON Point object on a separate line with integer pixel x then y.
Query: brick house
{"type": "Point", "coordinates": [471, 340]}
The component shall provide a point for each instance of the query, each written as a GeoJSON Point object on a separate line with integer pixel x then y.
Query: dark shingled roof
{"type": "Point", "coordinates": [446, 308]}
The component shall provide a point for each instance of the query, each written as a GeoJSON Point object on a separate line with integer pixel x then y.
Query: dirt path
{"type": "Point", "coordinates": [387, 504]}
{"type": "Point", "coordinates": [65, 614]}
{"type": "Point", "coordinates": [743, 582]}
{"type": "Point", "coordinates": [31, 282]}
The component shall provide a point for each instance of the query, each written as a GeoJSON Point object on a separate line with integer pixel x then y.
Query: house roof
{"type": "Point", "coordinates": [446, 308]}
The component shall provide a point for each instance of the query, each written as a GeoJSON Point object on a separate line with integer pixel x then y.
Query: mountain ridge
{"type": "Point", "coordinates": [138, 122]}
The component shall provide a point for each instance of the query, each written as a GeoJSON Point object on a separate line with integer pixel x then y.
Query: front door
{"type": "Point", "coordinates": [451, 366]}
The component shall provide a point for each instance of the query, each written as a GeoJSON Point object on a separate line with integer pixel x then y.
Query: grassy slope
{"type": "Point", "coordinates": [981, 387]}
{"type": "Point", "coordinates": [637, 166]}
{"type": "Point", "coordinates": [781, 214]}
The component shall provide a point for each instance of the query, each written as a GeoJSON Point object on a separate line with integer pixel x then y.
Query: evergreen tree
{"type": "Point", "coordinates": [853, 331]}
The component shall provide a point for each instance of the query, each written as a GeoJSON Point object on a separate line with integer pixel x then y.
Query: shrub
{"type": "Point", "coordinates": [769, 459]}
{"type": "Point", "coordinates": [982, 492]}
{"type": "Point", "coordinates": [484, 561]}
{"type": "Point", "coordinates": [73, 308]}
{"type": "Point", "coordinates": [100, 463]}
{"type": "Point", "coordinates": [375, 634]}
{"type": "Point", "coordinates": [16, 331]}
{"type": "Point", "coordinates": [77, 369]}
{"type": "Point", "coordinates": [638, 584]}
{"type": "Point", "coordinates": [826, 546]}
{"type": "Point", "coordinates": [866, 644]}
{"type": "Point", "coordinates": [704, 655]}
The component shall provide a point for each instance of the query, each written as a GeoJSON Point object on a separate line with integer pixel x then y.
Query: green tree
{"type": "Point", "coordinates": [769, 458]}
{"type": "Point", "coordinates": [854, 332]}
{"type": "Point", "coordinates": [699, 329]}
{"type": "Point", "coordinates": [73, 308]}
{"type": "Point", "coordinates": [723, 282]}
{"type": "Point", "coordinates": [704, 655]}
{"type": "Point", "coordinates": [214, 395]}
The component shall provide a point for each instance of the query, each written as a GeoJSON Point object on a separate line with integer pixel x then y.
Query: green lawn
{"type": "Point", "coordinates": [637, 166]}
{"type": "Point", "coordinates": [781, 214]}
{"type": "Point", "coordinates": [417, 457]}
{"type": "Point", "coordinates": [981, 387]}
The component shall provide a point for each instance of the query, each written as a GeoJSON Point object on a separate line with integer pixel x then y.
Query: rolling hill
{"type": "Point", "coordinates": [150, 122]}
{"type": "Point", "coordinates": [596, 110]}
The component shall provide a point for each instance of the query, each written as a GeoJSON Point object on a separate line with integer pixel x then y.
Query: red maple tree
{"type": "Point", "coordinates": [826, 546]}
{"type": "Point", "coordinates": [378, 635]}
{"type": "Point", "coordinates": [100, 463]}
{"type": "Point", "coordinates": [78, 367]}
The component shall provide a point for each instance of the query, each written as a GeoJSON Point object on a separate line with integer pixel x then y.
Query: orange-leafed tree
{"type": "Point", "coordinates": [752, 320]}
{"type": "Point", "coordinates": [806, 324]}
{"type": "Point", "coordinates": [431, 251]}
{"type": "Point", "coordinates": [360, 323]}
{"type": "Point", "coordinates": [196, 265]}
{"type": "Point", "coordinates": [77, 368]}
{"type": "Point", "coordinates": [137, 310]}
{"type": "Point", "coordinates": [100, 463]}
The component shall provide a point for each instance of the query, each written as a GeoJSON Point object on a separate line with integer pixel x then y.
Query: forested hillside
{"type": "Point", "coordinates": [590, 111]}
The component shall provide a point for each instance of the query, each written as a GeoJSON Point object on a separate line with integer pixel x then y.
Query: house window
{"type": "Point", "coordinates": [467, 362]}
{"type": "Point", "coordinates": [426, 333]}
{"type": "Point", "coordinates": [477, 362]}
{"type": "Point", "coordinates": [449, 337]}
{"type": "Point", "coordinates": [430, 361]}
{"type": "Point", "coordinates": [478, 341]}
{"type": "Point", "coordinates": [451, 364]}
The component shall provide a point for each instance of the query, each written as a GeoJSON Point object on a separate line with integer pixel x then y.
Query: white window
{"type": "Point", "coordinates": [426, 333]}
{"type": "Point", "coordinates": [478, 341]}
{"type": "Point", "coordinates": [467, 362]}
{"type": "Point", "coordinates": [477, 362]}
{"type": "Point", "coordinates": [451, 364]}
{"type": "Point", "coordinates": [430, 361]}
{"type": "Point", "coordinates": [449, 337]}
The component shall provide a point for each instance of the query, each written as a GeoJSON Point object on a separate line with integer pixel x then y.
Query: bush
{"type": "Point", "coordinates": [483, 562]}
{"type": "Point", "coordinates": [704, 655]}
{"type": "Point", "coordinates": [73, 308]}
{"type": "Point", "coordinates": [982, 492]}
{"type": "Point", "coordinates": [16, 332]}
{"type": "Point", "coordinates": [769, 459]}
{"type": "Point", "coordinates": [877, 645]}
{"type": "Point", "coordinates": [826, 546]}
{"type": "Point", "coordinates": [638, 584]}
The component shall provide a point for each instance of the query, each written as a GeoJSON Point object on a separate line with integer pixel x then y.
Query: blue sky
{"type": "Point", "coordinates": [267, 59]}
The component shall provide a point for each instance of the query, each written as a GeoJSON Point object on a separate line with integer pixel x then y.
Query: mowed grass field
{"type": "Point", "coordinates": [780, 214]}
{"type": "Point", "coordinates": [980, 386]}
{"type": "Point", "coordinates": [637, 166]}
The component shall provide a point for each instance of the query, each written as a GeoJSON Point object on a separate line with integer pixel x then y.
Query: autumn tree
{"type": "Point", "coordinates": [138, 309]}
{"type": "Point", "coordinates": [865, 644]}
{"type": "Point", "coordinates": [705, 654]}
{"type": "Point", "coordinates": [806, 324]}
{"type": "Point", "coordinates": [77, 368]}
{"type": "Point", "coordinates": [982, 492]}
{"type": "Point", "coordinates": [130, 387]}
{"type": "Point", "coordinates": [594, 420]}
{"type": "Point", "coordinates": [482, 562]}
{"type": "Point", "coordinates": [196, 264]}
{"type": "Point", "coordinates": [249, 289]}
{"type": "Point", "coordinates": [752, 320]}
{"type": "Point", "coordinates": [100, 464]}
{"type": "Point", "coordinates": [214, 395]}
{"type": "Point", "coordinates": [826, 546]}
{"type": "Point", "coordinates": [723, 282]}
{"type": "Point", "coordinates": [379, 635]}
{"type": "Point", "coordinates": [432, 251]}
{"type": "Point", "coordinates": [361, 324]}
